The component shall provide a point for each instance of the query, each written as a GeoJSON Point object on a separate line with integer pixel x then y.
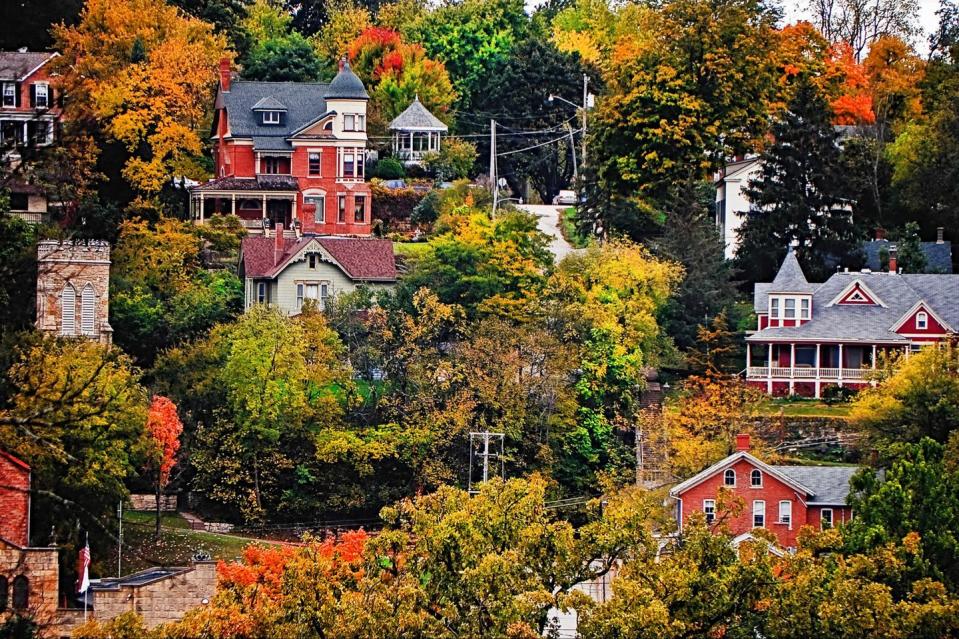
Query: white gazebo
{"type": "Point", "coordinates": [416, 132]}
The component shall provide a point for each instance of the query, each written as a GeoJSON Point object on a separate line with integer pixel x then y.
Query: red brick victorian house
{"type": "Point", "coordinates": [810, 336]}
{"type": "Point", "coordinates": [290, 153]}
{"type": "Point", "coordinates": [780, 499]}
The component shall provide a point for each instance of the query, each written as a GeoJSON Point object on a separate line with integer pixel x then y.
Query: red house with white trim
{"type": "Point", "coordinates": [781, 499]}
{"type": "Point", "coordinates": [810, 336]}
{"type": "Point", "coordinates": [290, 153]}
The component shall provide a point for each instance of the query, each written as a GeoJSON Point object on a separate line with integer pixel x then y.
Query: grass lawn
{"type": "Point", "coordinates": [410, 249]}
{"type": "Point", "coordinates": [567, 225]}
{"type": "Point", "coordinates": [177, 543]}
{"type": "Point", "coordinates": [804, 408]}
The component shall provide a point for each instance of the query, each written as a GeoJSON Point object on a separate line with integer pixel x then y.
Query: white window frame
{"type": "Point", "coordinates": [68, 310]}
{"type": "Point", "coordinates": [752, 477]}
{"type": "Point", "coordinates": [759, 513]}
{"type": "Point", "coordinates": [786, 513]}
{"type": "Point", "coordinates": [271, 117]}
{"type": "Point", "coordinates": [361, 209]}
{"type": "Point", "coordinates": [709, 509]}
{"type": "Point", "coordinates": [9, 91]}
{"type": "Point", "coordinates": [322, 290]}
{"type": "Point", "coordinates": [88, 310]}
{"type": "Point", "coordinates": [261, 293]}
{"type": "Point", "coordinates": [349, 122]}
{"type": "Point", "coordinates": [319, 199]}
{"type": "Point", "coordinates": [774, 308]}
{"type": "Point", "coordinates": [319, 163]}
{"type": "Point", "coordinates": [46, 94]}
{"type": "Point", "coordinates": [789, 312]}
{"type": "Point", "coordinates": [822, 518]}
{"type": "Point", "coordinates": [922, 321]}
{"type": "Point", "coordinates": [726, 475]}
{"type": "Point", "coordinates": [360, 122]}
{"type": "Point", "coordinates": [804, 304]}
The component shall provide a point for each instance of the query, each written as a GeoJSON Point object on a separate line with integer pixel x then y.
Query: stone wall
{"type": "Point", "coordinates": [39, 566]}
{"type": "Point", "coordinates": [77, 264]}
{"type": "Point", "coordinates": [148, 501]}
{"type": "Point", "coordinates": [161, 601]}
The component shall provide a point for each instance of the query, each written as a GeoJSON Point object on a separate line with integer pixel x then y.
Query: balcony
{"type": "Point", "coordinates": [808, 374]}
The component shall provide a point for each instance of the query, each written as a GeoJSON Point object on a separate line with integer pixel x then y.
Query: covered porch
{"type": "Point", "coordinates": [258, 208]}
{"type": "Point", "coordinates": [807, 368]}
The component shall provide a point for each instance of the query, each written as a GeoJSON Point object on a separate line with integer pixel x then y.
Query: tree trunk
{"type": "Point", "coordinates": [157, 533]}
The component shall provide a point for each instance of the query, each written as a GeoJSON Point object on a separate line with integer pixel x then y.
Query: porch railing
{"type": "Point", "coordinates": [786, 372]}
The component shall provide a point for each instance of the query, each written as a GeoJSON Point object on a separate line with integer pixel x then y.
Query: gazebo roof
{"type": "Point", "coordinates": [416, 117]}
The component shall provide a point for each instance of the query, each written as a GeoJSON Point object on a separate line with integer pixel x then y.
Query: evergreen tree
{"type": "Point", "coordinates": [911, 258]}
{"type": "Point", "coordinates": [799, 196]}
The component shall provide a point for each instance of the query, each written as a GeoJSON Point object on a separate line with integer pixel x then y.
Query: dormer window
{"type": "Point", "coordinates": [271, 117]}
{"type": "Point", "coordinates": [922, 320]}
{"type": "Point", "coordinates": [790, 308]}
{"type": "Point", "coordinates": [804, 308]}
{"type": "Point", "coordinates": [774, 308]}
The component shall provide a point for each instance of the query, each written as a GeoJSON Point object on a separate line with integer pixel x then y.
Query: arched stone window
{"type": "Point", "coordinates": [68, 310]}
{"type": "Point", "coordinates": [729, 477]}
{"type": "Point", "coordinates": [21, 592]}
{"type": "Point", "coordinates": [88, 309]}
{"type": "Point", "coordinates": [756, 479]}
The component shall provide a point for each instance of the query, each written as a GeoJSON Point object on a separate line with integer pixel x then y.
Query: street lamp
{"type": "Point", "coordinates": [587, 102]}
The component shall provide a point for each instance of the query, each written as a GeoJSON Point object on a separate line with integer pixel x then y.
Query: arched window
{"type": "Point", "coordinates": [756, 479]}
{"type": "Point", "coordinates": [21, 592]}
{"type": "Point", "coordinates": [729, 477]}
{"type": "Point", "coordinates": [88, 309]}
{"type": "Point", "coordinates": [922, 321]}
{"type": "Point", "coordinates": [68, 310]}
{"type": "Point", "coordinates": [4, 593]}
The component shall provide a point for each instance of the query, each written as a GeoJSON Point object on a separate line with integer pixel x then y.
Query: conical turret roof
{"type": "Point", "coordinates": [790, 278]}
{"type": "Point", "coordinates": [346, 85]}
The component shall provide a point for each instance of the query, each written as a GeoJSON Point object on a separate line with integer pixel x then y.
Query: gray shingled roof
{"type": "Point", "coordinates": [346, 86]}
{"type": "Point", "coordinates": [304, 103]}
{"type": "Point", "coordinates": [14, 65]}
{"type": "Point", "coordinates": [829, 484]}
{"type": "Point", "coordinates": [269, 103]}
{"type": "Point", "coordinates": [938, 256]}
{"type": "Point", "coordinates": [790, 278]}
{"type": "Point", "coordinates": [417, 117]}
{"type": "Point", "coordinates": [899, 293]}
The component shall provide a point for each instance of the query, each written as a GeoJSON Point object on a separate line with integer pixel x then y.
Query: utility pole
{"type": "Point", "coordinates": [572, 147]}
{"type": "Point", "coordinates": [585, 105]}
{"type": "Point", "coordinates": [480, 442]}
{"type": "Point", "coordinates": [492, 162]}
{"type": "Point", "coordinates": [120, 539]}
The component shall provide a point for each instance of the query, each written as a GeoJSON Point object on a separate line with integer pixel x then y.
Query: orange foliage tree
{"type": "Point", "coordinates": [163, 429]}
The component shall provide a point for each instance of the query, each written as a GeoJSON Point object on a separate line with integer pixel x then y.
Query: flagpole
{"type": "Point", "coordinates": [87, 588]}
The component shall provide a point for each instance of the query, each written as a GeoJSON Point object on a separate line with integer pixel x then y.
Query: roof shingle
{"type": "Point", "coordinates": [361, 259]}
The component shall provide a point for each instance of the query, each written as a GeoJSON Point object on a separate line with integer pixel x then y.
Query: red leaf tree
{"type": "Point", "coordinates": [163, 429]}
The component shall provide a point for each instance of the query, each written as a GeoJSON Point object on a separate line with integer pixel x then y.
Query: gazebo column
{"type": "Point", "coordinates": [202, 209]}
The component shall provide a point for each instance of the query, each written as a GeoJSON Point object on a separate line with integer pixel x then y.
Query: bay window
{"type": "Point", "coordinates": [359, 208]}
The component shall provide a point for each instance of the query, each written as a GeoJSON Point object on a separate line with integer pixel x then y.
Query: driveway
{"type": "Point", "coordinates": [548, 217]}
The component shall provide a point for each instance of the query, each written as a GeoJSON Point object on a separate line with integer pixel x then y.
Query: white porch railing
{"type": "Point", "coordinates": [785, 372]}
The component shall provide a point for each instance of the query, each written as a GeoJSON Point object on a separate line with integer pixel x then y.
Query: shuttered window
{"type": "Point", "coordinates": [88, 300]}
{"type": "Point", "coordinates": [68, 311]}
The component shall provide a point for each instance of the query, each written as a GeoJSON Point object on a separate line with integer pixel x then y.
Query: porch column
{"type": "Point", "coordinates": [818, 370]}
{"type": "Point", "coordinates": [264, 206]}
{"type": "Point", "coordinates": [202, 209]}
{"type": "Point", "coordinates": [872, 382]}
{"type": "Point", "coordinates": [792, 368]}
{"type": "Point", "coordinates": [233, 203]}
{"type": "Point", "coordinates": [840, 365]}
{"type": "Point", "coordinates": [749, 359]}
{"type": "Point", "coordinates": [769, 371]}
{"type": "Point", "coordinates": [293, 213]}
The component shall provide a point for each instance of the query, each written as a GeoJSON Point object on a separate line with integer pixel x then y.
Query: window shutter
{"type": "Point", "coordinates": [33, 95]}
{"type": "Point", "coordinates": [16, 95]}
{"type": "Point", "coordinates": [87, 309]}
{"type": "Point", "coordinates": [68, 311]}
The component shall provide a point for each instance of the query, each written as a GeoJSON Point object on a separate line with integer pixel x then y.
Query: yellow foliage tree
{"type": "Point", "coordinates": [143, 72]}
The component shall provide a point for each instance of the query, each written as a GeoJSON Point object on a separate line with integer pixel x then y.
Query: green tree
{"type": "Point", "coordinates": [917, 494]}
{"type": "Point", "coordinates": [276, 52]}
{"type": "Point", "coordinates": [799, 195]}
{"type": "Point", "coordinates": [910, 257]}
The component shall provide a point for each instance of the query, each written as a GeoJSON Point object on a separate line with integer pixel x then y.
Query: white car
{"type": "Point", "coordinates": [565, 197]}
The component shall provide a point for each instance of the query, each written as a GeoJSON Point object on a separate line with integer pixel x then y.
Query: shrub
{"type": "Point", "coordinates": [393, 205]}
{"type": "Point", "coordinates": [389, 169]}
{"type": "Point", "coordinates": [454, 161]}
{"type": "Point", "coordinates": [833, 394]}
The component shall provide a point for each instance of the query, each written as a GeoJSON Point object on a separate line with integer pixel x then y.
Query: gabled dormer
{"type": "Point", "coordinates": [790, 295]}
{"type": "Point", "coordinates": [922, 321]}
{"type": "Point", "coordinates": [270, 112]}
{"type": "Point", "coordinates": [857, 294]}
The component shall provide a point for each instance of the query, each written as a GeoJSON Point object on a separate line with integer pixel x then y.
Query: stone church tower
{"type": "Point", "coordinates": [73, 288]}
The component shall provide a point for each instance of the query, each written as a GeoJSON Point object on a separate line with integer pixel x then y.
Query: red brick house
{"type": "Point", "coordinates": [781, 499]}
{"type": "Point", "coordinates": [810, 336]}
{"type": "Point", "coordinates": [290, 153]}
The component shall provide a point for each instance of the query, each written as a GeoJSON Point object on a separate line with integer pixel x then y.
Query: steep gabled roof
{"type": "Point", "coordinates": [417, 117]}
{"type": "Point", "coordinates": [304, 102]}
{"type": "Point", "coordinates": [730, 461]}
{"type": "Point", "coordinates": [938, 255]}
{"type": "Point", "coordinates": [269, 103]}
{"type": "Point", "coordinates": [16, 65]}
{"type": "Point", "coordinates": [790, 278]}
{"type": "Point", "coordinates": [361, 259]}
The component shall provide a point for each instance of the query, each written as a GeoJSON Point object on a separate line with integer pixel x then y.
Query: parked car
{"type": "Point", "coordinates": [565, 197]}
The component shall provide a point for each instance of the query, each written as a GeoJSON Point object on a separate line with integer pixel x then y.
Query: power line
{"type": "Point", "coordinates": [536, 146]}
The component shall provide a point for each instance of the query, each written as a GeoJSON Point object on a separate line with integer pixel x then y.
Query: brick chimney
{"type": "Point", "coordinates": [880, 233]}
{"type": "Point", "coordinates": [279, 244]}
{"type": "Point", "coordinates": [225, 74]}
{"type": "Point", "coordinates": [939, 234]}
{"type": "Point", "coordinates": [742, 442]}
{"type": "Point", "coordinates": [893, 263]}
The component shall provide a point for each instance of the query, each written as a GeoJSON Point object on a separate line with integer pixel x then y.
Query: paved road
{"type": "Point", "coordinates": [549, 224]}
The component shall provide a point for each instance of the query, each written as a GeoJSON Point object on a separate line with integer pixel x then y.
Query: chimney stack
{"type": "Point", "coordinates": [279, 243]}
{"type": "Point", "coordinates": [939, 234]}
{"type": "Point", "coordinates": [225, 74]}
{"type": "Point", "coordinates": [893, 264]}
{"type": "Point", "coordinates": [742, 442]}
{"type": "Point", "coordinates": [880, 233]}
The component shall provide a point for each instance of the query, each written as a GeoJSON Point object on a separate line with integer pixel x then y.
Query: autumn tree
{"type": "Point", "coordinates": [163, 429]}
{"type": "Point", "coordinates": [276, 52]}
{"type": "Point", "coordinates": [76, 414]}
{"type": "Point", "coordinates": [141, 73]}
{"type": "Point", "coordinates": [861, 22]}
{"type": "Point", "coordinates": [799, 196]}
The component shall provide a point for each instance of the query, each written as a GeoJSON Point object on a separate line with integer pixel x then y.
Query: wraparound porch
{"type": "Point", "coordinates": [255, 210]}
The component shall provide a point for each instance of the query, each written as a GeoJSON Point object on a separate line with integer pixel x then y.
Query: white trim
{"type": "Point", "coordinates": [728, 462]}
{"type": "Point", "coordinates": [851, 287]}
{"type": "Point", "coordinates": [38, 67]}
{"type": "Point", "coordinates": [832, 517]}
{"type": "Point", "coordinates": [748, 536]}
{"type": "Point", "coordinates": [921, 304]}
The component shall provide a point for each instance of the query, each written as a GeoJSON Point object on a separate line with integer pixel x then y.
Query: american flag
{"type": "Point", "coordinates": [83, 569]}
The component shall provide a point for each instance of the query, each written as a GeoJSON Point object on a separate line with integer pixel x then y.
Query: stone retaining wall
{"type": "Point", "coordinates": [146, 501]}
